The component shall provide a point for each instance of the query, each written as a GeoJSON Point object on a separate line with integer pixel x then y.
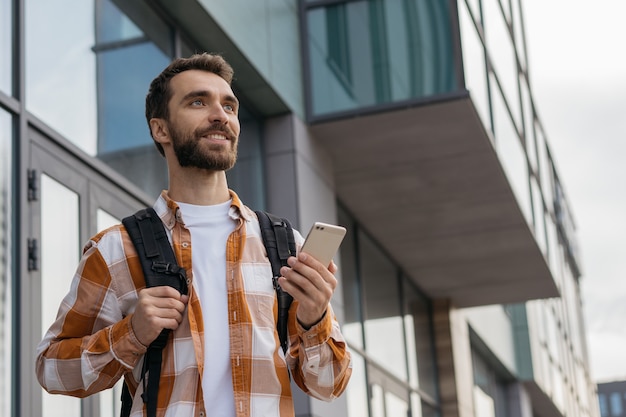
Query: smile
{"type": "Point", "coordinates": [216, 136]}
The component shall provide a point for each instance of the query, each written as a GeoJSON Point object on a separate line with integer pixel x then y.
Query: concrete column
{"type": "Point", "coordinates": [454, 361]}
{"type": "Point", "coordinates": [300, 186]}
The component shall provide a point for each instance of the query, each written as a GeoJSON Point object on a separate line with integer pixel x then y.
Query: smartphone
{"type": "Point", "coordinates": [323, 241]}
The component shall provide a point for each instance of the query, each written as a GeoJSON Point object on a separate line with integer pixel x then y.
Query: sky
{"type": "Point", "coordinates": [577, 69]}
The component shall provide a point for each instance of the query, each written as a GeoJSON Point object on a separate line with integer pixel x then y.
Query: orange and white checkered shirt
{"type": "Point", "coordinates": [91, 345]}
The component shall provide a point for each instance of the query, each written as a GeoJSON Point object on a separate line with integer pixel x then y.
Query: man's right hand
{"type": "Point", "coordinates": [157, 308]}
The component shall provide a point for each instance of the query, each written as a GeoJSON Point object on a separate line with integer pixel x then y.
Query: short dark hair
{"type": "Point", "coordinates": [160, 93]}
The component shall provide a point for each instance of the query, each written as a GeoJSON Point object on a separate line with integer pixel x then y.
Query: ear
{"type": "Point", "coordinates": [159, 130]}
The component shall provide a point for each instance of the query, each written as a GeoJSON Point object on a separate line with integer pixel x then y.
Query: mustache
{"type": "Point", "coordinates": [216, 127]}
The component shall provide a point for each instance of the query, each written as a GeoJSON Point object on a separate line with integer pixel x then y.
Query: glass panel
{"type": "Point", "coordinates": [133, 46]}
{"type": "Point", "coordinates": [6, 47]}
{"type": "Point", "coordinates": [502, 56]}
{"type": "Point", "coordinates": [529, 119]}
{"type": "Point", "coordinates": [604, 409]}
{"type": "Point", "coordinates": [366, 53]}
{"type": "Point", "coordinates": [110, 403]}
{"type": "Point", "coordinates": [474, 65]}
{"type": "Point", "coordinates": [518, 32]}
{"type": "Point", "coordinates": [99, 61]}
{"type": "Point", "coordinates": [395, 406]}
{"type": "Point", "coordinates": [352, 327]}
{"type": "Point", "coordinates": [6, 279]}
{"type": "Point", "coordinates": [512, 156]}
{"type": "Point", "coordinates": [419, 339]}
{"type": "Point", "coordinates": [377, 401]}
{"type": "Point", "coordinates": [384, 329]}
{"type": "Point", "coordinates": [539, 225]}
{"type": "Point", "coordinates": [483, 404]}
{"type": "Point", "coordinates": [60, 252]}
{"type": "Point", "coordinates": [61, 68]}
{"type": "Point", "coordinates": [357, 388]}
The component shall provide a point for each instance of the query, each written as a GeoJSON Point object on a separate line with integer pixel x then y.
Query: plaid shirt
{"type": "Point", "coordinates": [91, 345]}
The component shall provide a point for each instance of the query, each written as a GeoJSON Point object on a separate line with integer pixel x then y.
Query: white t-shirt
{"type": "Point", "coordinates": [210, 227]}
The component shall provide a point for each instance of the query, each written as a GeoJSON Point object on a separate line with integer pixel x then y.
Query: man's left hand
{"type": "Point", "coordinates": [311, 284]}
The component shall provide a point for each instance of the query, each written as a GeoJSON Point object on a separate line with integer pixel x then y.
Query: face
{"type": "Point", "coordinates": [203, 126]}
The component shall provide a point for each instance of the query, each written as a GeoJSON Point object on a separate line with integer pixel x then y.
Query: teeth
{"type": "Point", "coordinates": [216, 136]}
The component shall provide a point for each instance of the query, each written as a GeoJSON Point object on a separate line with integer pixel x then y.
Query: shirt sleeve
{"type": "Point", "coordinates": [318, 357]}
{"type": "Point", "coordinates": [91, 344]}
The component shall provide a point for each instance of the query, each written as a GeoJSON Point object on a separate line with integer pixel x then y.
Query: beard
{"type": "Point", "coordinates": [191, 151]}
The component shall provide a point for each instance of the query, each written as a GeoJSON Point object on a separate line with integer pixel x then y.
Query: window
{"type": "Point", "coordinates": [617, 408]}
{"type": "Point", "coordinates": [6, 46]}
{"type": "Point", "coordinates": [604, 407]}
{"type": "Point", "coordinates": [490, 389]}
{"type": "Point", "coordinates": [369, 53]}
{"type": "Point", "coordinates": [388, 325]}
{"type": "Point", "coordinates": [6, 287]}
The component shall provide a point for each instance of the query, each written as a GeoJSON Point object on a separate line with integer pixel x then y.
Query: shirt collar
{"type": "Point", "coordinates": [169, 212]}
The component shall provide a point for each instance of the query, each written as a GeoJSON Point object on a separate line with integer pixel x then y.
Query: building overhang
{"type": "Point", "coordinates": [426, 183]}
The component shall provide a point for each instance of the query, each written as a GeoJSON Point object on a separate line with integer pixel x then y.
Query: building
{"type": "Point", "coordinates": [612, 398]}
{"type": "Point", "coordinates": [410, 122]}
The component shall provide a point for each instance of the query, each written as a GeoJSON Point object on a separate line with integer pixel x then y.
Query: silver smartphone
{"type": "Point", "coordinates": [323, 241]}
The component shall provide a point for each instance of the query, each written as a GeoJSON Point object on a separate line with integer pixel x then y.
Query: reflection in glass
{"type": "Point", "coordinates": [356, 392]}
{"type": "Point", "coordinates": [60, 252]}
{"type": "Point", "coordinates": [377, 401]}
{"type": "Point", "coordinates": [512, 155]}
{"type": "Point", "coordinates": [502, 56]}
{"type": "Point", "coordinates": [366, 53]}
{"type": "Point", "coordinates": [352, 328]}
{"type": "Point", "coordinates": [384, 329]}
{"type": "Point", "coordinates": [61, 68]}
{"type": "Point", "coordinates": [474, 65]}
{"type": "Point", "coordinates": [395, 405]}
{"type": "Point", "coordinates": [6, 46]}
{"type": "Point", "coordinates": [6, 287]}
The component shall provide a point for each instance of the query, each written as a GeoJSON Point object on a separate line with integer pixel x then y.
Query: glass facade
{"type": "Point", "coordinates": [388, 326]}
{"type": "Point", "coordinates": [6, 46]}
{"type": "Point", "coordinates": [494, 62]}
{"type": "Point", "coordinates": [363, 54]}
{"type": "Point", "coordinates": [6, 276]}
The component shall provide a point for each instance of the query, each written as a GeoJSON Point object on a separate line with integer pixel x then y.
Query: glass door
{"type": "Point", "coordinates": [70, 199]}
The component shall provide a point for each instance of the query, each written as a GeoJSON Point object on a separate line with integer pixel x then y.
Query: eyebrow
{"type": "Point", "coordinates": [205, 93]}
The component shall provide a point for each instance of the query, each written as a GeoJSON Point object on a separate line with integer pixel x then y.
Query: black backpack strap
{"type": "Point", "coordinates": [279, 244]}
{"type": "Point", "coordinates": [159, 267]}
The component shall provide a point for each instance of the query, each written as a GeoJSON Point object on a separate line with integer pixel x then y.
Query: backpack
{"type": "Point", "coordinates": [160, 267]}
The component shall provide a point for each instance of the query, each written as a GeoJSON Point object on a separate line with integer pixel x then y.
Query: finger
{"type": "Point", "coordinates": [162, 291]}
{"type": "Point", "coordinates": [323, 270]}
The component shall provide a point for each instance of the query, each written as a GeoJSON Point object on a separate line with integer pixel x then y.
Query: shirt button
{"type": "Point", "coordinates": [185, 244]}
{"type": "Point", "coordinates": [201, 414]}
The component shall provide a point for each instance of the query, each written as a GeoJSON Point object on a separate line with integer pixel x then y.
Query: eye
{"type": "Point", "coordinates": [197, 102]}
{"type": "Point", "coordinates": [229, 107]}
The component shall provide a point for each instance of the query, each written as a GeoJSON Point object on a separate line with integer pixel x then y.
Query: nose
{"type": "Point", "coordinates": [217, 114]}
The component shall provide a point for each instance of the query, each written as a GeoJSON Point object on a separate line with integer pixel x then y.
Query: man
{"type": "Point", "coordinates": [224, 357]}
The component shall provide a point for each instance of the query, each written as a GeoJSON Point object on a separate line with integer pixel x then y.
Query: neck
{"type": "Point", "coordinates": [198, 186]}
